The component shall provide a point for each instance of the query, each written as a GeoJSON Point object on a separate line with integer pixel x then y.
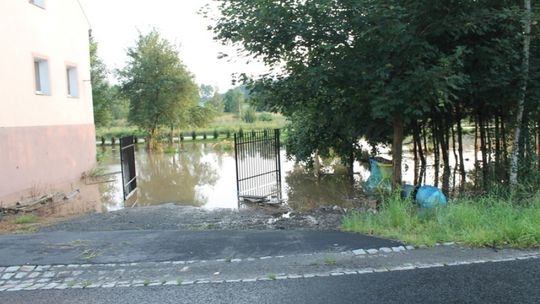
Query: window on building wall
{"type": "Point", "coordinates": [72, 83]}
{"type": "Point", "coordinates": [41, 74]}
{"type": "Point", "coordinates": [40, 3]}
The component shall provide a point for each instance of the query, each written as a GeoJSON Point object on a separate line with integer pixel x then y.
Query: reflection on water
{"type": "Point", "coordinates": [307, 191]}
{"type": "Point", "coordinates": [202, 175]}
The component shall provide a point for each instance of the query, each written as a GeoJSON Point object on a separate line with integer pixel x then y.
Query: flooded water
{"type": "Point", "coordinates": [203, 175]}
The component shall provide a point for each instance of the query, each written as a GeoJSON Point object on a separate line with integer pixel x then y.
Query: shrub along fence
{"type": "Point", "coordinates": [212, 135]}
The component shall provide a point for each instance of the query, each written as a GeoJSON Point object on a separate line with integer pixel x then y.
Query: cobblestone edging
{"type": "Point", "coordinates": [20, 272]}
{"type": "Point", "coordinates": [59, 277]}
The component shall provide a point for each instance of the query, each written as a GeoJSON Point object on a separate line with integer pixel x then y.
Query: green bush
{"type": "Point", "coordinates": [249, 115]}
{"type": "Point", "coordinates": [265, 117]}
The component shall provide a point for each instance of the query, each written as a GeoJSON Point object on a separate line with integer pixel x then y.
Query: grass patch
{"type": "Point", "coordinates": [484, 221]}
{"type": "Point", "coordinates": [170, 150]}
{"type": "Point", "coordinates": [330, 261]}
{"type": "Point", "coordinates": [90, 254]}
{"type": "Point", "coordinates": [29, 230]}
{"type": "Point", "coordinates": [26, 219]}
{"type": "Point", "coordinates": [222, 124]}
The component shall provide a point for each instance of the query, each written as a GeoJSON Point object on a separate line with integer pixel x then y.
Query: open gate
{"type": "Point", "coordinates": [258, 165]}
{"type": "Point", "coordinates": [127, 162]}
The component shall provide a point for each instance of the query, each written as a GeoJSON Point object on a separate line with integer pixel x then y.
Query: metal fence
{"type": "Point", "coordinates": [127, 161]}
{"type": "Point", "coordinates": [258, 165]}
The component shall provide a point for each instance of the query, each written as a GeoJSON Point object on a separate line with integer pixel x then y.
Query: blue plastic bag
{"type": "Point", "coordinates": [425, 196]}
{"type": "Point", "coordinates": [430, 197]}
{"type": "Point", "coordinates": [380, 178]}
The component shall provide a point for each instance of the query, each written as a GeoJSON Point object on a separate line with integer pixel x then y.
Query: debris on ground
{"type": "Point", "coordinates": [178, 217]}
{"type": "Point", "coordinates": [33, 204]}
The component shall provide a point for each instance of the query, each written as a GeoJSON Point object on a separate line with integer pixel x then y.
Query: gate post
{"type": "Point", "coordinates": [127, 164]}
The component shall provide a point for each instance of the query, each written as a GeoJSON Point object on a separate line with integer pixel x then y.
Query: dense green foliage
{"type": "Point", "coordinates": [224, 124]}
{"type": "Point", "coordinates": [351, 69]}
{"type": "Point", "coordinates": [234, 101]}
{"type": "Point", "coordinates": [160, 89]}
{"type": "Point", "coordinates": [486, 221]}
{"type": "Point", "coordinates": [102, 92]}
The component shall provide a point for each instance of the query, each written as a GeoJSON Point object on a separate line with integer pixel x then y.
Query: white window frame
{"type": "Point", "coordinates": [38, 3]}
{"type": "Point", "coordinates": [72, 81]}
{"type": "Point", "coordinates": [42, 79]}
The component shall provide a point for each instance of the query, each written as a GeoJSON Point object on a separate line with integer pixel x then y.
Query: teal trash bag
{"type": "Point", "coordinates": [380, 178]}
{"type": "Point", "coordinates": [430, 197]}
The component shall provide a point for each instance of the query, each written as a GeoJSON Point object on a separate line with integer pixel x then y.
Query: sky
{"type": "Point", "coordinates": [116, 23]}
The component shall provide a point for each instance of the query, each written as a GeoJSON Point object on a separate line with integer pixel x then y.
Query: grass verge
{"type": "Point", "coordinates": [485, 221]}
{"type": "Point", "coordinates": [26, 219]}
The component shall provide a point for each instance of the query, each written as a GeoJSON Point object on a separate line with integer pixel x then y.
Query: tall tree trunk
{"type": "Point", "coordinates": [456, 160]}
{"type": "Point", "coordinates": [436, 159]}
{"type": "Point", "coordinates": [497, 147]}
{"type": "Point", "coordinates": [397, 150]}
{"type": "Point", "coordinates": [415, 153]}
{"type": "Point", "coordinates": [445, 149]}
{"type": "Point", "coordinates": [489, 149]}
{"type": "Point", "coordinates": [514, 163]}
{"type": "Point", "coordinates": [483, 149]}
{"type": "Point", "coordinates": [538, 144]}
{"type": "Point", "coordinates": [460, 151]}
{"type": "Point", "coordinates": [476, 148]}
{"type": "Point", "coordinates": [350, 166]}
{"type": "Point", "coordinates": [424, 160]}
{"type": "Point", "coordinates": [420, 151]}
{"type": "Point", "coordinates": [504, 146]}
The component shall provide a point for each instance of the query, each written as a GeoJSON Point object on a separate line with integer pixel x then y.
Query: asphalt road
{"type": "Point", "coordinates": [62, 247]}
{"type": "Point", "coordinates": [509, 282]}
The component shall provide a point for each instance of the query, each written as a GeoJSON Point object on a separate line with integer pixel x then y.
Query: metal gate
{"type": "Point", "coordinates": [127, 162]}
{"type": "Point", "coordinates": [258, 165]}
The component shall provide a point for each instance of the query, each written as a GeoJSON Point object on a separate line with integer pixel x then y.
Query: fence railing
{"type": "Point", "coordinates": [127, 161]}
{"type": "Point", "coordinates": [258, 165]}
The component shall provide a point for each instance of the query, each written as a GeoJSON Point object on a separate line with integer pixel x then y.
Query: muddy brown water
{"type": "Point", "coordinates": [203, 175]}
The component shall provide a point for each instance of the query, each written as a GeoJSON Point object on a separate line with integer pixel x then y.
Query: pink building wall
{"type": "Point", "coordinates": [45, 139]}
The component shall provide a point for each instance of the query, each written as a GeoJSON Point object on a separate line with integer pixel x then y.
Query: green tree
{"type": "Point", "coordinates": [522, 93]}
{"type": "Point", "coordinates": [159, 87]}
{"type": "Point", "coordinates": [102, 93]}
{"type": "Point", "coordinates": [217, 103]}
{"type": "Point", "coordinates": [234, 101]}
{"type": "Point", "coordinates": [120, 106]}
{"type": "Point", "coordinates": [383, 70]}
{"type": "Point", "coordinates": [206, 92]}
